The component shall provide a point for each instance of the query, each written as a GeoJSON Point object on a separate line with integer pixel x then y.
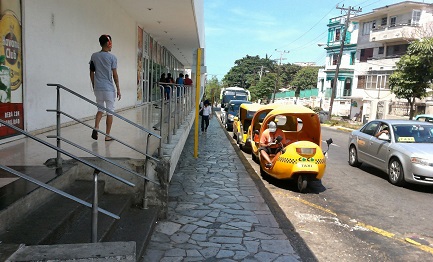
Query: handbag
{"type": "Point", "coordinates": [200, 112]}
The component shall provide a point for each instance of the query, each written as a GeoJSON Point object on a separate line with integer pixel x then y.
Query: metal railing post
{"type": "Point", "coordinates": [58, 125]}
{"type": "Point", "coordinates": [175, 90]}
{"type": "Point", "coordinates": [161, 119]}
{"type": "Point", "coordinates": [145, 200]}
{"type": "Point", "coordinates": [95, 207]}
{"type": "Point", "coordinates": [169, 114]}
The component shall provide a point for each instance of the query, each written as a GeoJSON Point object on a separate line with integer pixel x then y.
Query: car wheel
{"type": "Point", "coordinates": [353, 157]}
{"type": "Point", "coordinates": [302, 183]}
{"type": "Point", "coordinates": [396, 173]}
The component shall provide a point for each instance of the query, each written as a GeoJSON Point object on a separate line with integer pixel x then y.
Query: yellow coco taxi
{"type": "Point", "coordinates": [256, 123]}
{"type": "Point", "coordinates": [298, 155]}
{"type": "Point", "coordinates": [241, 124]}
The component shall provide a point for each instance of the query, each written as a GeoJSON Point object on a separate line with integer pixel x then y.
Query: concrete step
{"type": "Point", "coordinates": [136, 225]}
{"type": "Point", "coordinates": [50, 221]}
{"type": "Point", "coordinates": [80, 230]}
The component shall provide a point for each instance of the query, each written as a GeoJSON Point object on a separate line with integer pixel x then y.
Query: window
{"type": "Point", "coordinates": [376, 81]}
{"type": "Point", "coordinates": [352, 58]}
{"type": "Point", "coordinates": [396, 50]}
{"type": "Point", "coordinates": [370, 129]}
{"type": "Point", "coordinates": [384, 21]}
{"type": "Point", "coordinates": [416, 16]}
{"type": "Point", "coordinates": [371, 81]}
{"type": "Point", "coordinates": [337, 35]}
{"type": "Point", "coordinates": [393, 21]}
{"type": "Point", "coordinates": [347, 87]}
{"type": "Point", "coordinates": [367, 26]}
{"type": "Point", "coordinates": [366, 54]}
{"type": "Point", "coordinates": [334, 59]}
{"type": "Point", "coordinates": [361, 82]}
{"type": "Point", "coordinates": [381, 50]}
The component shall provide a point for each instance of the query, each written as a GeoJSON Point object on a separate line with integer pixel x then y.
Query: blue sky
{"type": "Point", "coordinates": [236, 28]}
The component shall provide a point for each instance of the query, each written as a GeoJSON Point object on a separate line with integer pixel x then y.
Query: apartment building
{"type": "Point", "coordinates": [326, 76]}
{"type": "Point", "coordinates": [383, 37]}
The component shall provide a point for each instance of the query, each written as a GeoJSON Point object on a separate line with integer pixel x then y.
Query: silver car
{"type": "Point", "coordinates": [402, 148]}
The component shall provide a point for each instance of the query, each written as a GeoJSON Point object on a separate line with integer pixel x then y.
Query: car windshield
{"type": "Point", "coordinates": [234, 108]}
{"type": "Point", "coordinates": [250, 114]}
{"type": "Point", "coordinates": [413, 133]}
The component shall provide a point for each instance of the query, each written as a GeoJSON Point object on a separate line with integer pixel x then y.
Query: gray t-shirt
{"type": "Point", "coordinates": [104, 63]}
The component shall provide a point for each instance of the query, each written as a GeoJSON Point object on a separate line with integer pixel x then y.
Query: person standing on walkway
{"type": "Point", "coordinates": [179, 82]}
{"type": "Point", "coordinates": [187, 81]}
{"type": "Point", "coordinates": [207, 113]}
{"type": "Point", "coordinates": [103, 71]}
{"type": "Point", "coordinates": [169, 80]}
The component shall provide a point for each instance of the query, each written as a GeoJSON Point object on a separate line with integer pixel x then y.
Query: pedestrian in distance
{"type": "Point", "coordinates": [170, 81]}
{"type": "Point", "coordinates": [179, 82]}
{"type": "Point", "coordinates": [187, 81]}
{"type": "Point", "coordinates": [103, 75]}
{"type": "Point", "coordinates": [206, 114]}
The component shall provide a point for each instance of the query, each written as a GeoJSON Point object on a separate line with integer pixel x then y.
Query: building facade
{"type": "Point", "coordinates": [51, 41]}
{"type": "Point", "coordinates": [384, 36]}
{"type": "Point", "coordinates": [326, 76]}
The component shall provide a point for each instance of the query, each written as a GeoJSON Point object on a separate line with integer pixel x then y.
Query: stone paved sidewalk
{"type": "Point", "coordinates": [216, 213]}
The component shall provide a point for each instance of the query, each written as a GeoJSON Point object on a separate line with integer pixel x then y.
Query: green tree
{"type": "Point", "coordinates": [213, 89]}
{"type": "Point", "coordinates": [287, 74]}
{"type": "Point", "coordinates": [246, 71]}
{"type": "Point", "coordinates": [264, 88]}
{"type": "Point", "coordinates": [306, 78]}
{"type": "Point", "coordinates": [414, 72]}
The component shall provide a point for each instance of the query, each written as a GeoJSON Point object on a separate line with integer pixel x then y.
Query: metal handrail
{"type": "Point", "coordinates": [57, 191]}
{"type": "Point", "coordinates": [89, 126]}
{"type": "Point", "coordinates": [104, 158]}
{"type": "Point", "coordinates": [97, 170]}
{"type": "Point", "coordinates": [87, 163]}
{"type": "Point", "coordinates": [105, 109]}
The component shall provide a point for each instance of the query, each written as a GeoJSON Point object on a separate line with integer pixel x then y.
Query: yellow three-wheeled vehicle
{"type": "Point", "coordinates": [300, 154]}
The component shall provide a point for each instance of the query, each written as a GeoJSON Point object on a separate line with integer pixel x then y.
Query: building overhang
{"type": "Point", "coordinates": [177, 25]}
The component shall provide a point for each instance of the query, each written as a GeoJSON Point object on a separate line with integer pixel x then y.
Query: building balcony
{"type": "Point", "coordinates": [394, 33]}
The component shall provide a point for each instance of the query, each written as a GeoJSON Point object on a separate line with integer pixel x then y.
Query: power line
{"type": "Point", "coordinates": [311, 27]}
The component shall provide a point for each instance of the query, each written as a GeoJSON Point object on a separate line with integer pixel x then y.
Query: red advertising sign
{"type": "Point", "coordinates": [12, 114]}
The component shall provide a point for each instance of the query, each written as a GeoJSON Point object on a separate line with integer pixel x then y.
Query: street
{"type": "Point", "coordinates": [355, 214]}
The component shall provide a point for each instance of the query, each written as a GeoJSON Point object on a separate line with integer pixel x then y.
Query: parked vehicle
{"type": "Point", "coordinates": [425, 118]}
{"type": "Point", "coordinates": [256, 123]}
{"type": "Point", "coordinates": [241, 124]}
{"type": "Point", "coordinates": [405, 153]}
{"type": "Point", "coordinates": [232, 110]}
{"type": "Point", "coordinates": [301, 158]}
{"type": "Point", "coordinates": [233, 93]}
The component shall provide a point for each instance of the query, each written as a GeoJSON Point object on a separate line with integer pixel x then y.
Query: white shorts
{"type": "Point", "coordinates": [105, 99]}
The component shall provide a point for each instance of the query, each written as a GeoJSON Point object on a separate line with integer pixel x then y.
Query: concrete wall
{"type": "Point", "coordinates": [59, 37]}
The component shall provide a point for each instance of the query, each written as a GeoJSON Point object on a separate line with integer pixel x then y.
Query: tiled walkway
{"type": "Point", "coordinates": [216, 212]}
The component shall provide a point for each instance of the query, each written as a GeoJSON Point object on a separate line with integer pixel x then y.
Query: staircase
{"type": "Point", "coordinates": [59, 221]}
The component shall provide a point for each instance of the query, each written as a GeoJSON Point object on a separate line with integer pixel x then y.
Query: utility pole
{"type": "Point", "coordinates": [282, 52]}
{"type": "Point", "coordinates": [349, 10]}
